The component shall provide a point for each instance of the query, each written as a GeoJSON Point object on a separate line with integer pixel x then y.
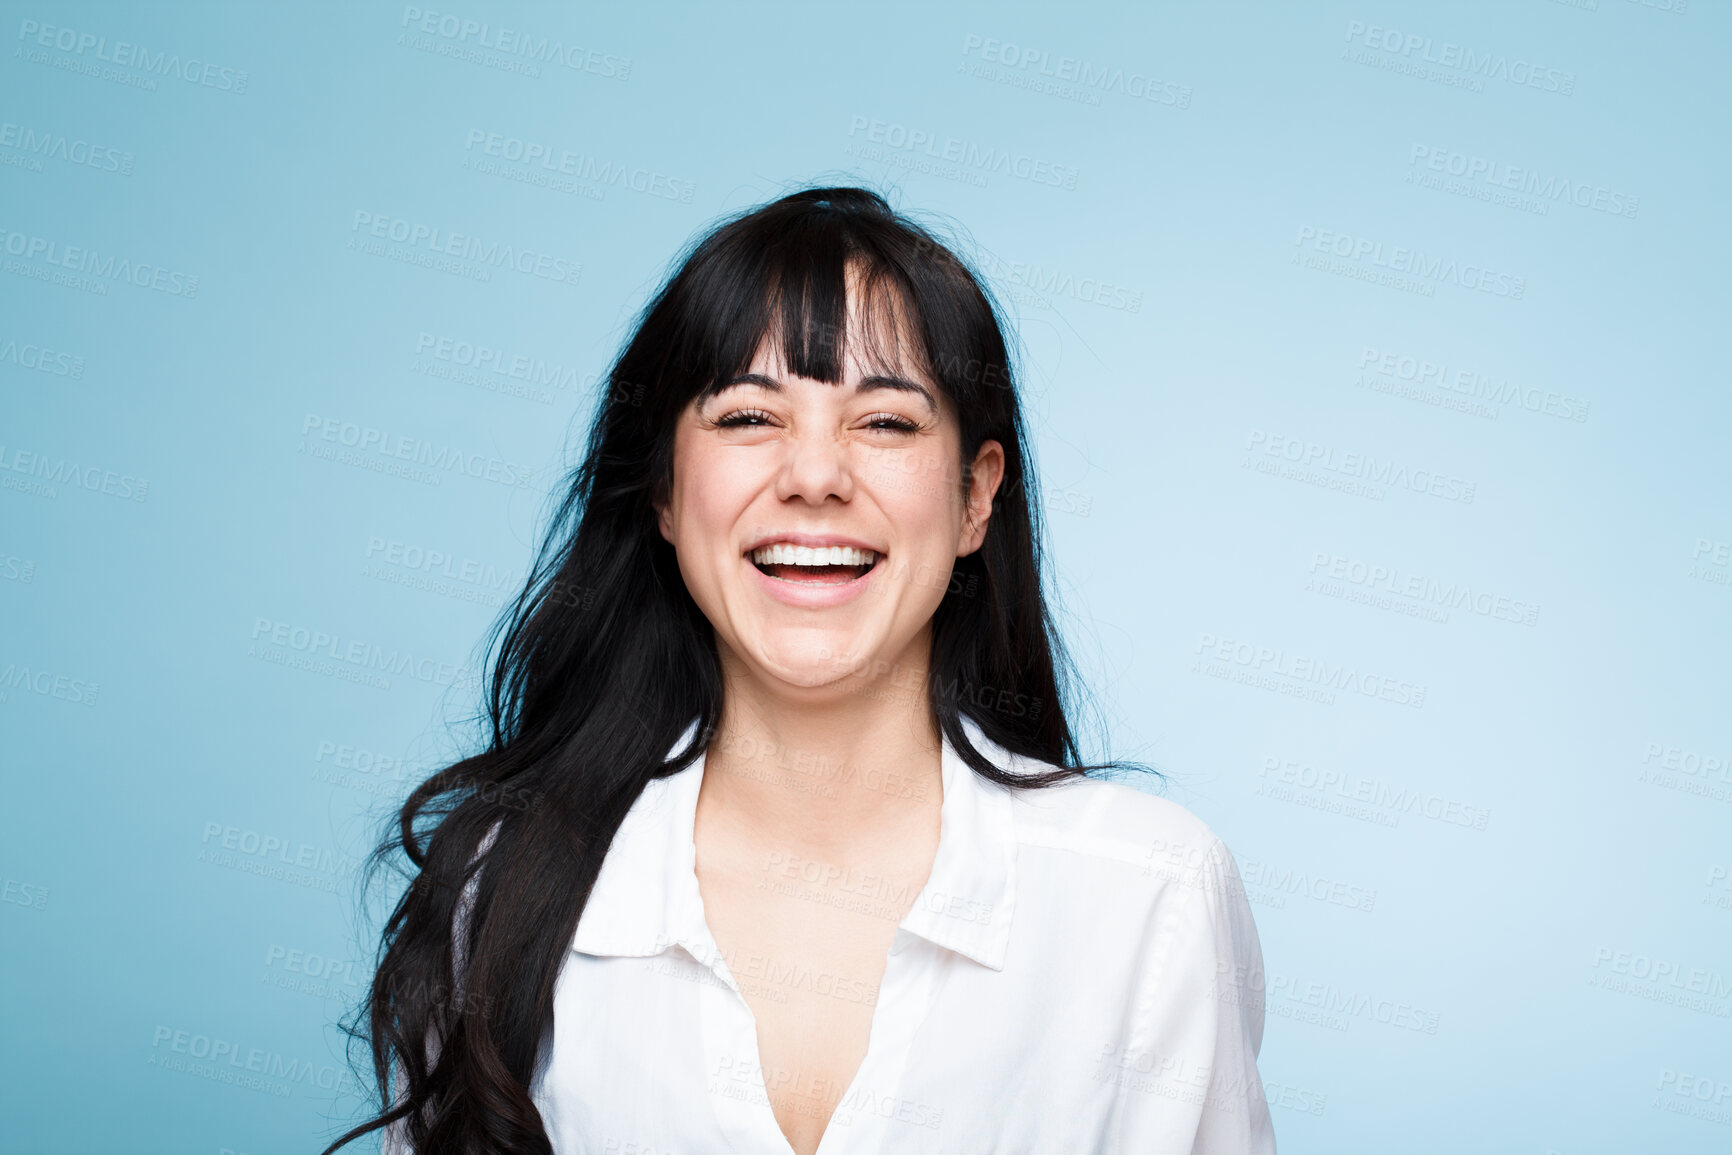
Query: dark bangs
{"type": "Point", "coordinates": [784, 272]}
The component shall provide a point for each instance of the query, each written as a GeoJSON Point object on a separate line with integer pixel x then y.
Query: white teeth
{"type": "Point", "coordinates": [782, 553]}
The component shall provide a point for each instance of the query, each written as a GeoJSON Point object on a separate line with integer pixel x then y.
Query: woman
{"type": "Point", "coordinates": [780, 842]}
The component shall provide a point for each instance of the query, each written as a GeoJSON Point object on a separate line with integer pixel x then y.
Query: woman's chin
{"type": "Point", "coordinates": [841, 663]}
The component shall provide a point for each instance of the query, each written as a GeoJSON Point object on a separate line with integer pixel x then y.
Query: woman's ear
{"type": "Point", "coordinates": [984, 477]}
{"type": "Point", "coordinates": [665, 521]}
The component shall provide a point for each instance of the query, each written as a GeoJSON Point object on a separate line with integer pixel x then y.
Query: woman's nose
{"type": "Point", "coordinates": [818, 466]}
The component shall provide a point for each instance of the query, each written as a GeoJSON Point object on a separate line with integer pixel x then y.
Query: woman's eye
{"type": "Point", "coordinates": [891, 421]}
{"type": "Point", "coordinates": [746, 417]}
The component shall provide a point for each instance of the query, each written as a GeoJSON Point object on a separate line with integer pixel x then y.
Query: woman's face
{"type": "Point", "coordinates": [816, 525]}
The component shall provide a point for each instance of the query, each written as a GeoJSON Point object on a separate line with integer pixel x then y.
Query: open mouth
{"type": "Point", "coordinates": [822, 566]}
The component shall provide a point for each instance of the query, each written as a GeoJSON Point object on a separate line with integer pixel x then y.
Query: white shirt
{"type": "Point", "coordinates": [1080, 973]}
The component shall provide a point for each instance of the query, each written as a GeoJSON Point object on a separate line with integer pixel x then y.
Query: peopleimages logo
{"type": "Point", "coordinates": [47, 683]}
{"type": "Point", "coordinates": [1217, 657]}
{"type": "Point", "coordinates": [1409, 262]}
{"type": "Point", "coordinates": [1431, 591]}
{"type": "Point", "coordinates": [257, 1068]}
{"type": "Point", "coordinates": [1711, 561]}
{"type": "Point", "coordinates": [1338, 785]}
{"type": "Point", "coordinates": [503, 362]}
{"type": "Point", "coordinates": [58, 146]}
{"type": "Point", "coordinates": [90, 262]}
{"type": "Point", "coordinates": [966, 154]}
{"type": "Point", "coordinates": [41, 358]}
{"type": "Point", "coordinates": [302, 855]}
{"type": "Point", "coordinates": [465, 246]}
{"type": "Point", "coordinates": [356, 652]}
{"type": "Point", "coordinates": [1498, 175]}
{"type": "Point", "coordinates": [1046, 283]}
{"type": "Point", "coordinates": [515, 43]}
{"type": "Point", "coordinates": [1472, 384]}
{"type": "Point", "coordinates": [46, 474]}
{"type": "Point", "coordinates": [1301, 884]}
{"type": "Point", "coordinates": [1342, 1004]}
{"type": "Point", "coordinates": [1415, 50]}
{"type": "Point", "coordinates": [1355, 468]}
{"type": "Point", "coordinates": [136, 56]}
{"type": "Point", "coordinates": [1087, 76]}
{"type": "Point", "coordinates": [579, 166]}
{"type": "Point", "coordinates": [380, 449]}
{"type": "Point", "coordinates": [1684, 979]}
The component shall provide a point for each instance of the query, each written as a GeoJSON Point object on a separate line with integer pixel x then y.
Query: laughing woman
{"type": "Point", "coordinates": [781, 841]}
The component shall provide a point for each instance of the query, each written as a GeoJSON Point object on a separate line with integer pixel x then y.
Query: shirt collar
{"type": "Point", "coordinates": [646, 897]}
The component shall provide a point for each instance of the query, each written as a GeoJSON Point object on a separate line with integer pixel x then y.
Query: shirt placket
{"type": "Point", "coordinates": [732, 1068]}
{"type": "Point", "coordinates": [873, 1102]}
{"type": "Point", "coordinates": [733, 1075]}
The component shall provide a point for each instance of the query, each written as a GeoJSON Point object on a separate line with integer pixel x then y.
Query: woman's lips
{"type": "Point", "coordinates": [814, 587]}
{"type": "Point", "coordinates": [829, 575]}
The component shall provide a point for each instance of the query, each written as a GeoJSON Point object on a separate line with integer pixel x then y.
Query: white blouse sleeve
{"type": "Point", "coordinates": [1201, 1023]}
{"type": "Point", "coordinates": [1235, 1112]}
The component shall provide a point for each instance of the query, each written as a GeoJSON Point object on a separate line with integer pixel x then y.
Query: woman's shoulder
{"type": "Point", "coordinates": [1109, 818]}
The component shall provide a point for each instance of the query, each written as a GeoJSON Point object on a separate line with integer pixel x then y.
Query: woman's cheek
{"type": "Point", "coordinates": [927, 529]}
{"type": "Point", "coordinates": [926, 502]}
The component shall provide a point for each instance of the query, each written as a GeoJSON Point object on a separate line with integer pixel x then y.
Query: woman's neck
{"type": "Point", "coordinates": [828, 773]}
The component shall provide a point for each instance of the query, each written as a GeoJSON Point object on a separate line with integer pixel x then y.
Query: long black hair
{"type": "Point", "coordinates": [605, 660]}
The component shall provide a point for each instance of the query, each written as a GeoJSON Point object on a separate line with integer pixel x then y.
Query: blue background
{"type": "Point", "coordinates": [1518, 836]}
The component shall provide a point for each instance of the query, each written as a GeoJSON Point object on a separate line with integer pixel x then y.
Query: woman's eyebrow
{"type": "Point", "coordinates": [886, 381]}
{"type": "Point", "coordinates": [875, 381]}
{"type": "Point", "coordinates": [769, 383]}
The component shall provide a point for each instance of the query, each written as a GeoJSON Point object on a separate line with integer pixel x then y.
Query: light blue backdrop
{"type": "Point", "coordinates": [1375, 362]}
